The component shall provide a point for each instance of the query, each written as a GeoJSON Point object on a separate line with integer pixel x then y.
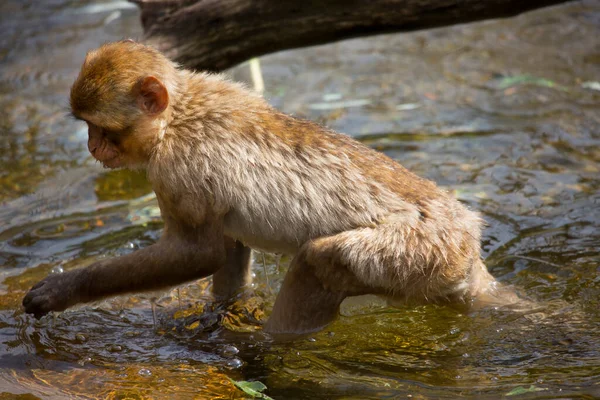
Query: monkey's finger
{"type": "Point", "coordinates": [38, 285]}
{"type": "Point", "coordinates": [32, 293]}
{"type": "Point", "coordinates": [28, 298]}
{"type": "Point", "coordinates": [38, 306]}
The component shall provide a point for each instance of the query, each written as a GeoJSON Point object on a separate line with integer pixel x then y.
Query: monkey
{"type": "Point", "coordinates": [231, 173]}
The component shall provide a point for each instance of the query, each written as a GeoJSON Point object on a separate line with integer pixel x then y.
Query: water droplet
{"type": "Point", "coordinates": [84, 361]}
{"type": "Point", "coordinates": [144, 372]}
{"type": "Point", "coordinates": [311, 339]}
{"type": "Point", "coordinates": [80, 337]}
{"type": "Point", "coordinates": [229, 350]}
{"type": "Point", "coordinates": [234, 363]}
{"type": "Point", "coordinates": [57, 270]}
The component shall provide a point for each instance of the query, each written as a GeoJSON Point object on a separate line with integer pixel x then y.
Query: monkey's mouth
{"type": "Point", "coordinates": [112, 162]}
{"type": "Point", "coordinates": [104, 152]}
{"type": "Point", "coordinates": [108, 158]}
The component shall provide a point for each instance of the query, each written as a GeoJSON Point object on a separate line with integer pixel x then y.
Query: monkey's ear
{"type": "Point", "coordinates": [153, 97]}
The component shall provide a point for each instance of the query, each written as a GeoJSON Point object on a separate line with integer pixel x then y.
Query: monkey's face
{"type": "Point", "coordinates": [117, 147]}
{"type": "Point", "coordinates": [123, 141]}
{"type": "Point", "coordinates": [124, 104]}
{"type": "Point", "coordinates": [104, 145]}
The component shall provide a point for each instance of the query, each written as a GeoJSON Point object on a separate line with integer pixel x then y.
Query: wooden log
{"type": "Point", "coordinates": [217, 34]}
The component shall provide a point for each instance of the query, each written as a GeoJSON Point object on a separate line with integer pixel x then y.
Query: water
{"type": "Point", "coordinates": [503, 113]}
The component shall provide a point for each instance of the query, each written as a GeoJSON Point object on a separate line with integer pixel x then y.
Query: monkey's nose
{"type": "Point", "coordinates": [92, 147]}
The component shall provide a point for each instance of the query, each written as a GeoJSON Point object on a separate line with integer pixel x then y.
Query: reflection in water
{"type": "Point", "coordinates": [503, 113]}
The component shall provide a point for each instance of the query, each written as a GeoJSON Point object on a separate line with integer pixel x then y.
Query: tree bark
{"type": "Point", "coordinates": [217, 34]}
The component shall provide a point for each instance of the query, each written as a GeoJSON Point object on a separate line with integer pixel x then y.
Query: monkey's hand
{"type": "Point", "coordinates": [54, 293]}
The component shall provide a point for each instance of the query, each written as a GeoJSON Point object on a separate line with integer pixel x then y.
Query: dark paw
{"type": "Point", "coordinates": [53, 293]}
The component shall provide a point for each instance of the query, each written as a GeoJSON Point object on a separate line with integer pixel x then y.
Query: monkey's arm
{"type": "Point", "coordinates": [174, 259]}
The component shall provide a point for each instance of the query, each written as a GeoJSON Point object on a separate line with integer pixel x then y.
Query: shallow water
{"type": "Point", "coordinates": [503, 113]}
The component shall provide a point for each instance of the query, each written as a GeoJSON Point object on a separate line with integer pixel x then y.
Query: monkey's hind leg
{"type": "Point", "coordinates": [303, 304]}
{"type": "Point", "coordinates": [311, 294]}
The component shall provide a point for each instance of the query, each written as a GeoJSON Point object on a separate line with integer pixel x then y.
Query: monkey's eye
{"type": "Point", "coordinates": [111, 135]}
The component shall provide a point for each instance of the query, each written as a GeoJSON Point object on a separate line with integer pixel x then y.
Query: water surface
{"type": "Point", "coordinates": [503, 113]}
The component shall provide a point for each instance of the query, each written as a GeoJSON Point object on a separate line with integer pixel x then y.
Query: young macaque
{"type": "Point", "coordinates": [232, 173]}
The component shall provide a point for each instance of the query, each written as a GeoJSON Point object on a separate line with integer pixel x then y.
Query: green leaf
{"type": "Point", "coordinates": [253, 388]}
{"type": "Point", "coordinates": [522, 390]}
{"type": "Point", "coordinates": [510, 81]}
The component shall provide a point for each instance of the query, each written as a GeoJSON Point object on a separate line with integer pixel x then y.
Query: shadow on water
{"type": "Point", "coordinates": [502, 113]}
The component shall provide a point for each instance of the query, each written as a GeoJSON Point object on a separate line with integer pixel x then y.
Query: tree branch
{"type": "Point", "coordinates": [218, 34]}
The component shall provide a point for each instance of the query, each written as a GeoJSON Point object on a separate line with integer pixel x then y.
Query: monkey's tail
{"type": "Point", "coordinates": [486, 291]}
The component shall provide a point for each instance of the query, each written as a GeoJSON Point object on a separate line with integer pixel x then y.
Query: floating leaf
{"type": "Point", "coordinates": [253, 388]}
{"type": "Point", "coordinates": [194, 325]}
{"type": "Point", "coordinates": [510, 81]}
{"type": "Point", "coordinates": [522, 390]}
{"type": "Point", "coordinates": [591, 85]}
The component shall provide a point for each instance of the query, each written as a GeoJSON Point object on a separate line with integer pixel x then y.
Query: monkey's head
{"type": "Point", "coordinates": [122, 93]}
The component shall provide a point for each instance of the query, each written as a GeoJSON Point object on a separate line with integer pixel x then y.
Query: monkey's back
{"type": "Point", "coordinates": [281, 181]}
